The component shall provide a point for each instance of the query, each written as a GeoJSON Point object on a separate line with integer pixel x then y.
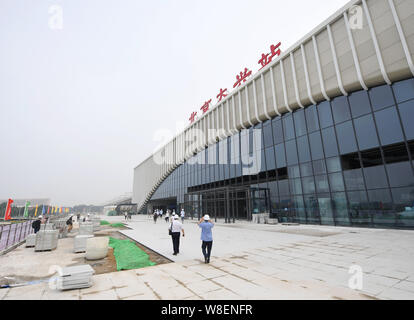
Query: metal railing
{"type": "Point", "coordinates": [11, 234]}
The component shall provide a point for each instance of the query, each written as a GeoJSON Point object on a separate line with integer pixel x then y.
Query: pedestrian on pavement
{"type": "Point", "coordinates": [126, 215]}
{"type": "Point", "coordinates": [36, 224]}
{"type": "Point", "coordinates": [167, 216]}
{"type": "Point", "coordinates": [175, 227]}
{"type": "Point", "coordinates": [206, 236]}
{"type": "Point", "coordinates": [155, 216]}
{"type": "Point", "coordinates": [69, 223]}
{"type": "Point", "coordinates": [129, 215]}
{"type": "Point", "coordinates": [182, 214]}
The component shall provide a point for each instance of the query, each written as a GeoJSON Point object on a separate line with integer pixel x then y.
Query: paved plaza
{"type": "Point", "coordinates": [251, 261]}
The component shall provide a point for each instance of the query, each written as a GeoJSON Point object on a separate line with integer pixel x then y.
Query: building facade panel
{"type": "Point", "coordinates": [338, 61]}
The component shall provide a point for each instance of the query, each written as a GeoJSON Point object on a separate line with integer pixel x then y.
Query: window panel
{"type": "Point", "coordinates": [280, 155]}
{"type": "Point", "coordinates": [312, 118]}
{"type": "Point", "coordinates": [366, 132]}
{"type": "Point", "coordinates": [404, 90]}
{"type": "Point", "coordinates": [333, 164]}
{"type": "Point", "coordinates": [277, 131]}
{"type": "Point", "coordinates": [329, 142]}
{"type": "Point", "coordinates": [316, 146]}
{"type": "Point", "coordinates": [293, 172]}
{"type": "Point", "coordinates": [308, 185]}
{"type": "Point", "coordinates": [389, 127]}
{"type": "Point", "coordinates": [354, 179]}
{"type": "Point", "coordinates": [381, 97]}
{"type": "Point", "coordinates": [322, 184]}
{"type": "Point", "coordinates": [306, 169]}
{"type": "Point", "coordinates": [319, 167]}
{"type": "Point", "coordinates": [295, 186]}
{"type": "Point", "coordinates": [340, 208]}
{"type": "Point", "coordinates": [407, 118]}
{"type": "Point", "coordinates": [284, 187]}
{"type": "Point", "coordinates": [288, 127]}
{"type": "Point", "coordinates": [375, 177]}
{"type": "Point", "coordinates": [291, 152]}
{"type": "Point", "coordinates": [303, 149]}
{"type": "Point", "coordinates": [346, 138]}
{"type": "Point", "coordinates": [270, 159]}
{"type": "Point", "coordinates": [359, 103]}
{"type": "Point", "coordinates": [400, 174]}
{"type": "Point", "coordinates": [340, 109]}
{"type": "Point", "coordinates": [267, 135]}
{"type": "Point", "coordinates": [336, 181]}
{"type": "Point", "coordinates": [300, 123]}
{"type": "Point", "coordinates": [325, 114]}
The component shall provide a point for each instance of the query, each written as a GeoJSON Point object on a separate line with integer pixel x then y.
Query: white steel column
{"type": "Point", "coordinates": [240, 109]}
{"type": "Point", "coordinates": [282, 72]}
{"type": "Point", "coordinates": [272, 80]}
{"type": "Point", "coordinates": [354, 53]}
{"type": "Point", "coordinates": [255, 101]}
{"type": "Point", "coordinates": [248, 107]}
{"type": "Point", "coordinates": [318, 64]}
{"type": "Point", "coordinates": [264, 97]}
{"type": "Point", "coordinates": [305, 67]}
{"type": "Point", "coordinates": [375, 41]}
{"type": "Point", "coordinates": [335, 60]}
{"type": "Point", "coordinates": [295, 82]}
{"type": "Point", "coordinates": [402, 36]}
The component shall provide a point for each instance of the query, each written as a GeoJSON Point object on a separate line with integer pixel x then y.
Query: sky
{"type": "Point", "coordinates": [86, 84]}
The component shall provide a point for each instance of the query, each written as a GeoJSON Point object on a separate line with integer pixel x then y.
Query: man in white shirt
{"type": "Point", "coordinates": [182, 213]}
{"type": "Point", "coordinates": [175, 227]}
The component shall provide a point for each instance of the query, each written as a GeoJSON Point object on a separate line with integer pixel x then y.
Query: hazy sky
{"type": "Point", "coordinates": [79, 105]}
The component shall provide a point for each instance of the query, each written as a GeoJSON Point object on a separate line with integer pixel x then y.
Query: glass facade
{"type": "Point", "coordinates": [348, 161]}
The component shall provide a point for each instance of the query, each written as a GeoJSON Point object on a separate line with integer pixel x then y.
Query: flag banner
{"type": "Point", "coordinates": [43, 209]}
{"type": "Point", "coordinates": [36, 210]}
{"type": "Point", "coordinates": [48, 209]}
{"type": "Point", "coordinates": [7, 215]}
{"type": "Point", "coordinates": [26, 209]}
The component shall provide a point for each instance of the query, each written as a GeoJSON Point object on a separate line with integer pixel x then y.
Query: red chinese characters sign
{"type": "Point", "coordinates": [222, 94]}
{"type": "Point", "coordinates": [192, 117]}
{"type": "Point", "coordinates": [267, 58]}
{"type": "Point", "coordinates": [205, 106]}
{"type": "Point", "coordinates": [242, 77]}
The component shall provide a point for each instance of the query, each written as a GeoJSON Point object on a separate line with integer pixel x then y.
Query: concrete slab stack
{"type": "Point", "coordinates": [31, 240]}
{"type": "Point", "coordinates": [79, 245]}
{"type": "Point", "coordinates": [75, 277]}
{"type": "Point", "coordinates": [86, 228]}
{"type": "Point", "coordinates": [46, 240]}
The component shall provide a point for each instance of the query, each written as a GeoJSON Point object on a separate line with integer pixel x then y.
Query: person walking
{"type": "Point", "coordinates": [126, 215]}
{"type": "Point", "coordinates": [155, 216]}
{"type": "Point", "coordinates": [36, 224]}
{"type": "Point", "coordinates": [182, 214]}
{"type": "Point", "coordinates": [206, 225]}
{"type": "Point", "coordinates": [167, 216]}
{"type": "Point", "coordinates": [175, 228]}
{"type": "Point", "coordinates": [69, 223]}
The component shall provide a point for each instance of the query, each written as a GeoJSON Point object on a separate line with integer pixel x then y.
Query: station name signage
{"type": "Point", "coordinates": [241, 78]}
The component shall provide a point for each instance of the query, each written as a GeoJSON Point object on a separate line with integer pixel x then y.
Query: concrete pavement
{"type": "Point", "coordinates": [251, 261]}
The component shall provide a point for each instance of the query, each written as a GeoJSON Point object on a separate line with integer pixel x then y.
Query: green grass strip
{"type": "Point", "coordinates": [128, 255]}
{"type": "Point", "coordinates": [117, 225]}
{"type": "Point", "coordinates": [104, 223]}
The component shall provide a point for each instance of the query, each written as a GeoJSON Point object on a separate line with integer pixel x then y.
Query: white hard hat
{"type": "Point", "coordinates": [206, 217]}
{"type": "Point", "coordinates": [40, 216]}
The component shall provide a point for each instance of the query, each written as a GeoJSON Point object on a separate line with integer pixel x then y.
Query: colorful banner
{"type": "Point", "coordinates": [7, 215]}
{"type": "Point", "coordinates": [48, 209]}
{"type": "Point", "coordinates": [43, 210]}
{"type": "Point", "coordinates": [26, 209]}
{"type": "Point", "coordinates": [36, 210]}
